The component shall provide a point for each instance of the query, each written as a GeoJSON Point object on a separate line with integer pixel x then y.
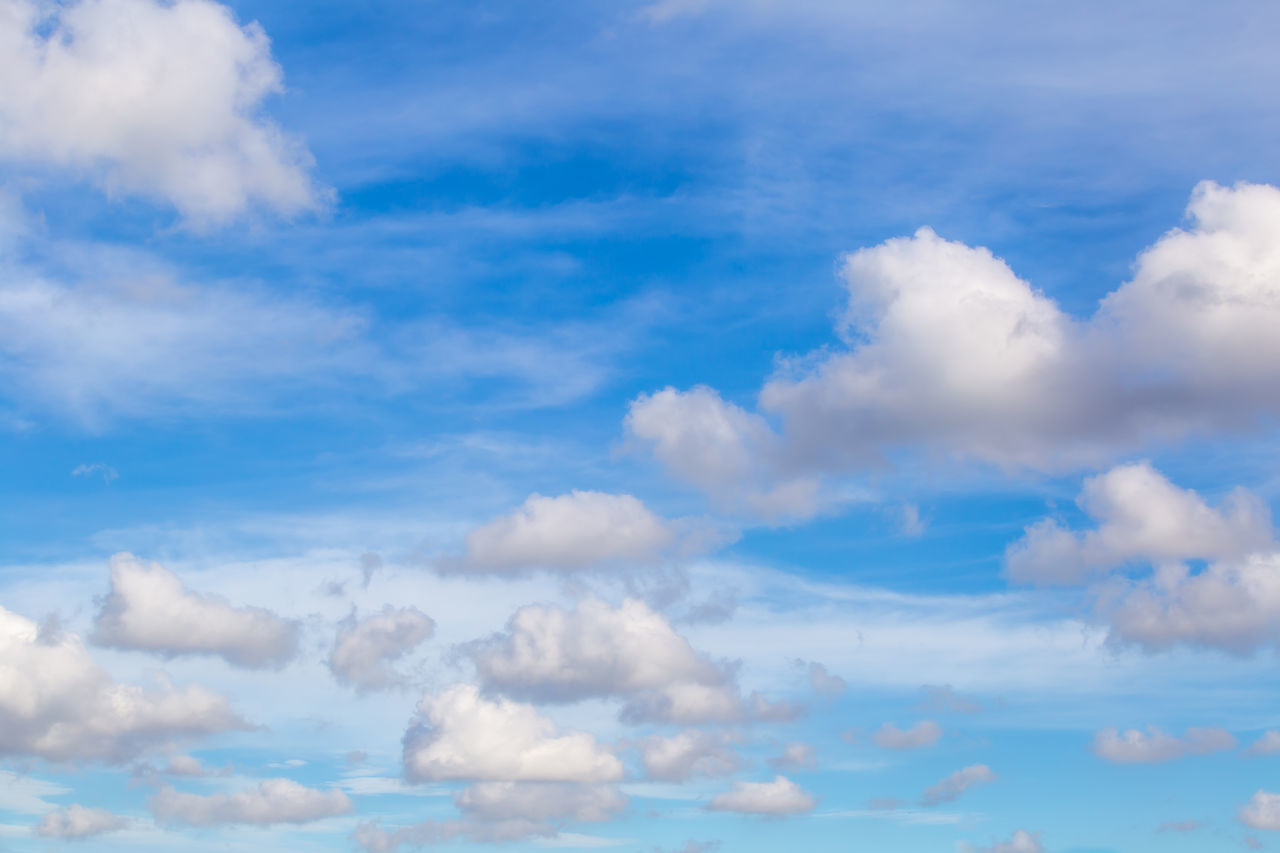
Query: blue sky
{"type": "Point", "coordinates": [507, 425]}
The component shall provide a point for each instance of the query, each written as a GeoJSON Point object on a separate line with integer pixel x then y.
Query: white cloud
{"type": "Point", "coordinates": [1232, 604]}
{"type": "Point", "coordinates": [363, 648]}
{"type": "Point", "coordinates": [572, 532]}
{"type": "Point", "coordinates": [1021, 842]}
{"type": "Point", "coordinates": [76, 821]}
{"type": "Point", "coordinates": [957, 783]}
{"type": "Point", "coordinates": [274, 801]}
{"type": "Point", "coordinates": [1268, 743]}
{"type": "Point", "coordinates": [1141, 516]}
{"type": "Point", "coordinates": [161, 100]}
{"type": "Point", "coordinates": [922, 734]}
{"type": "Point", "coordinates": [1262, 811]}
{"type": "Point", "coordinates": [795, 756]}
{"type": "Point", "coordinates": [1132, 746]}
{"type": "Point", "coordinates": [148, 609]}
{"type": "Point", "coordinates": [497, 802]}
{"type": "Point", "coordinates": [102, 469]}
{"type": "Point", "coordinates": [948, 350]}
{"type": "Point", "coordinates": [825, 683]}
{"type": "Point", "coordinates": [776, 798]}
{"type": "Point", "coordinates": [687, 754]}
{"type": "Point", "coordinates": [548, 653]}
{"type": "Point", "coordinates": [56, 703]}
{"type": "Point", "coordinates": [461, 735]}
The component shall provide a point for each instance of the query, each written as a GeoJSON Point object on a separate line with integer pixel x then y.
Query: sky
{"type": "Point", "coordinates": [666, 426]}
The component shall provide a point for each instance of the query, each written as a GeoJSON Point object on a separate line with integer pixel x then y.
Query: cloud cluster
{"type": "Point", "coordinates": [1232, 604]}
{"type": "Point", "coordinates": [57, 703]}
{"type": "Point", "coordinates": [156, 99]}
{"type": "Point", "coordinates": [948, 350]}
{"type": "Point", "coordinates": [148, 609]}
{"type": "Point", "coordinates": [773, 799]}
{"type": "Point", "coordinates": [632, 652]}
{"type": "Point", "coordinates": [76, 821]}
{"type": "Point", "coordinates": [274, 801]}
{"type": "Point", "coordinates": [1133, 746]}
{"type": "Point", "coordinates": [459, 734]}
{"type": "Point", "coordinates": [363, 648]}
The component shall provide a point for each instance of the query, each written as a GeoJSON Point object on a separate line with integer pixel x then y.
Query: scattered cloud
{"type": "Point", "coordinates": [363, 648]}
{"type": "Point", "coordinates": [1021, 842]}
{"type": "Point", "coordinates": [795, 756]}
{"type": "Point", "coordinates": [274, 801]}
{"type": "Point", "coordinates": [459, 734]}
{"type": "Point", "coordinates": [825, 683]}
{"type": "Point", "coordinates": [75, 822]}
{"type": "Point", "coordinates": [149, 609]}
{"type": "Point", "coordinates": [1268, 743]}
{"type": "Point", "coordinates": [687, 754]}
{"type": "Point", "coordinates": [774, 799]}
{"type": "Point", "coordinates": [1132, 746]}
{"type": "Point", "coordinates": [1261, 812]}
{"type": "Point", "coordinates": [102, 469]}
{"type": "Point", "coordinates": [957, 783]}
{"type": "Point", "coordinates": [922, 734]}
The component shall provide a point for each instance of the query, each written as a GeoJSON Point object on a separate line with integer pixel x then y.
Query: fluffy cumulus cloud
{"type": "Point", "coordinates": [687, 754]}
{"type": "Point", "coordinates": [1133, 746]}
{"type": "Point", "coordinates": [459, 734]}
{"type": "Point", "coordinates": [57, 703]}
{"type": "Point", "coordinates": [795, 756]}
{"type": "Point", "coordinates": [948, 350]}
{"type": "Point", "coordinates": [76, 821]}
{"type": "Point", "coordinates": [364, 648]}
{"type": "Point", "coordinates": [274, 801]}
{"type": "Point", "coordinates": [1262, 811]}
{"type": "Point", "coordinates": [148, 609]}
{"type": "Point", "coordinates": [595, 650]}
{"type": "Point", "coordinates": [957, 783]}
{"type": "Point", "coordinates": [922, 734]}
{"type": "Point", "coordinates": [1268, 743]}
{"type": "Point", "coordinates": [150, 98]}
{"type": "Point", "coordinates": [572, 532]}
{"type": "Point", "coordinates": [1232, 603]}
{"type": "Point", "coordinates": [774, 799]}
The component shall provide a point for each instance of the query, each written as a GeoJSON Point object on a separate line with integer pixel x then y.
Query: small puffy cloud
{"type": "Point", "coordinates": [461, 735]}
{"type": "Point", "coordinates": [957, 783]}
{"type": "Point", "coordinates": [548, 653]}
{"type": "Point", "coordinates": [1268, 743]}
{"type": "Point", "coordinates": [573, 532]}
{"type": "Point", "coordinates": [148, 609]}
{"type": "Point", "coordinates": [1261, 812]}
{"type": "Point", "coordinates": [688, 754]}
{"type": "Point", "coordinates": [775, 799]}
{"type": "Point", "coordinates": [58, 704]}
{"type": "Point", "coordinates": [922, 734]}
{"type": "Point", "coordinates": [499, 802]}
{"type": "Point", "coordinates": [1232, 604]}
{"type": "Point", "coordinates": [1133, 746]}
{"type": "Point", "coordinates": [825, 683]}
{"type": "Point", "coordinates": [100, 469]}
{"type": "Point", "coordinates": [274, 801]}
{"type": "Point", "coordinates": [75, 821]}
{"type": "Point", "coordinates": [1141, 517]}
{"type": "Point", "coordinates": [948, 352]}
{"type": "Point", "coordinates": [161, 100]}
{"type": "Point", "coordinates": [795, 756]}
{"type": "Point", "coordinates": [1021, 842]}
{"type": "Point", "coordinates": [363, 648]}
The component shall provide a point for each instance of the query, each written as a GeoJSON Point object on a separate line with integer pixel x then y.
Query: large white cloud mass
{"type": "Point", "coordinates": [148, 609]}
{"type": "Point", "coordinates": [1144, 521]}
{"type": "Point", "coordinates": [948, 350]}
{"type": "Point", "coordinates": [459, 734]}
{"type": "Point", "coordinates": [57, 703]}
{"type": "Point", "coordinates": [364, 648]}
{"type": "Point", "coordinates": [274, 801]}
{"type": "Point", "coordinates": [150, 98]}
